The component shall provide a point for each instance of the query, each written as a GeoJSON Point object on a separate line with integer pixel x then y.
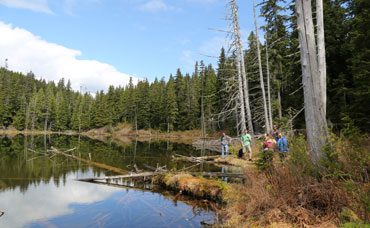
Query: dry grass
{"type": "Point", "coordinates": [281, 198]}
{"type": "Point", "coordinates": [195, 186]}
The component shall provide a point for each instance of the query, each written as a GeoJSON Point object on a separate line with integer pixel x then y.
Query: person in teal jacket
{"type": "Point", "coordinates": [246, 140]}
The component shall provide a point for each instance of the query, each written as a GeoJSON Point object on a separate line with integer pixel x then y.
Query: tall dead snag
{"type": "Point", "coordinates": [239, 59]}
{"type": "Point", "coordinates": [316, 126]}
{"type": "Point", "coordinates": [242, 75]}
{"type": "Point", "coordinates": [321, 50]}
{"type": "Point", "coordinates": [268, 84]}
{"type": "Point", "coordinates": [267, 124]}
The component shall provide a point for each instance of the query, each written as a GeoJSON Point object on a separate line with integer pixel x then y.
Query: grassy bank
{"type": "Point", "coordinates": [294, 193]}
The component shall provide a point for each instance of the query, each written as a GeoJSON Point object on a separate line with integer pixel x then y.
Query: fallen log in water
{"type": "Point", "coordinates": [217, 160]}
{"type": "Point", "coordinates": [204, 174]}
{"type": "Point", "coordinates": [100, 165]}
{"type": "Point", "coordinates": [195, 159]}
{"type": "Point", "coordinates": [131, 175]}
{"type": "Point", "coordinates": [218, 174]}
{"type": "Point", "coordinates": [204, 204]}
{"type": "Point", "coordinates": [2, 213]}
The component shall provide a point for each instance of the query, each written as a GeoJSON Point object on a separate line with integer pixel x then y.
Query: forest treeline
{"type": "Point", "coordinates": [207, 95]}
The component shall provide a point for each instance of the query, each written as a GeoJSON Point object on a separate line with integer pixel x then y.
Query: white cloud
{"type": "Point", "coordinates": [156, 6]}
{"type": "Point", "coordinates": [188, 59]}
{"type": "Point", "coordinates": [35, 5]}
{"type": "Point", "coordinates": [69, 5]}
{"type": "Point", "coordinates": [26, 52]}
{"type": "Point", "coordinates": [46, 201]}
{"type": "Point", "coordinates": [212, 47]}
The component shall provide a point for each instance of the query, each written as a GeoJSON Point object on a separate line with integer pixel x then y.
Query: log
{"type": "Point", "coordinates": [131, 175]}
{"type": "Point", "coordinates": [209, 159]}
{"type": "Point", "coordinates": [2, 213]}
{"type": "Point", "coordinates": [196, 159]}
{"type": "Point", "coordinates": [159, 169]}
{"type": "Point", "coordinates": [208, 174]}
{"type": "Point", "coordinates": [219, 174]}
{"type": "Point", "coordinates": [100, 165]}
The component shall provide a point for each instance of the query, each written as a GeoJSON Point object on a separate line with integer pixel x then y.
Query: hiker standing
{"type": "Point", "coordinates": [246, 140]}
{"type": "Point", "coordinates": [282, 146]}
{"type": "Point", "coordinates": [225, 140]}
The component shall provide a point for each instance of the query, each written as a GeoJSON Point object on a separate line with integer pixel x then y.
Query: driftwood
{"type": "Point", "coordinates": [2, 213]}
{"type": "Point", "coordinates": [131, 175]}
{"type": "Point", "coordinates": [218, 174]}
{"type": "Point", "coordinates": [195, 159]}
{"type": "Point", "coordinates": [204, 204]}
{"type": "Point", "coordinates": [158, 169]}
{"type": "Point", "coordinates": [204, 174]}
{"type": "Point", "coordinates": [206, 159]}
{"type": "Point", "coordinates": [100, 165]}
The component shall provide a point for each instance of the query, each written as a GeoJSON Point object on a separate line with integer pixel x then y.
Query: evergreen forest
{"type": "Point", "coordinates": [183, 100]}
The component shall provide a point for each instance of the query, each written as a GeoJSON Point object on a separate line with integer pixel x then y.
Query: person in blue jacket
{"type": "Point", "coordinates": [282, 146]}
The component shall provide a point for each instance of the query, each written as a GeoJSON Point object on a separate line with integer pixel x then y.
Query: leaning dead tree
{"type": "Point", "coordinates": [242, 75]}
{"type": "Point", "coordinates": [316, 125]}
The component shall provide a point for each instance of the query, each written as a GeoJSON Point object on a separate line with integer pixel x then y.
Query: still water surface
{"type": "Point", "coordinates": [38, 190]}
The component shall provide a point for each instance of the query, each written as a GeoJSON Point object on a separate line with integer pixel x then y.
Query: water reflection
{"type": "Point", "coordinates": [39, 191]}
{"type": "Point", "coordinates": [45, 201]}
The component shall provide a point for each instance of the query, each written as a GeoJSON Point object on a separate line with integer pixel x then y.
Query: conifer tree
{"type": "Point", "coordinates": [171, 104]}
{"type": "Point", "coordinates": [61, 111]}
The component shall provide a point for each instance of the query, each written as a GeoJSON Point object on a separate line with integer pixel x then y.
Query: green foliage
{"type": "Point", "coordinates": [299, 160]}
{"type": "Point", "coordinates": [354, 225]}
{"type": "Point", "coordinates": [264, 161]}
{"type": "Point", "coordinates": [30, 103]}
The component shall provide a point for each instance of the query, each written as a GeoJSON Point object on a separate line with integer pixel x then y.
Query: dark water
{"type": "Point", "coordinates": [40, 191]}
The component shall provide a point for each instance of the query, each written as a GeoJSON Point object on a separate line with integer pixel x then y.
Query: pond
{"type": "Point", "coordinates": [38, 189]}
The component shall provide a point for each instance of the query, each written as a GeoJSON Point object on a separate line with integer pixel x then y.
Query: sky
{"type": "Point", "coordinates": [97, 43]}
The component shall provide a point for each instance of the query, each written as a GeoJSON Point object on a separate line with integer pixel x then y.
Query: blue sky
{"type": "Point", "coordinates": [140, 38]}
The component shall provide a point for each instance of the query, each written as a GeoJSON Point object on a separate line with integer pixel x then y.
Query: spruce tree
{"type": "Point", "coordinates": [171, 104]}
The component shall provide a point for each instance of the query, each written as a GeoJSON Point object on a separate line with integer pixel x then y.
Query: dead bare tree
{"type": "Point", "coordinates": [316, 126]}
{"type": "Point", "coordinates": [268, 84]}
{"type": "Point", "coordinates": [242, 76]}
{"type": "Point", "coordinates": [321, 51]}
{"type": "Point", "coordinates": [239, 59]}
{"type": "Point", "coordinates": [267, 122]}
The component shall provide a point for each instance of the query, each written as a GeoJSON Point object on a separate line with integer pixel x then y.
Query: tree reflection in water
{"type": "Point", "coordinates": [40, 191]}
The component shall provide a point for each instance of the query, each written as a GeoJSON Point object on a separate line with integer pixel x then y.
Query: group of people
{"type": "Point", "coordinates": [274, 142]}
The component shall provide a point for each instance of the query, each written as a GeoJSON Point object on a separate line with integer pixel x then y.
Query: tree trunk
{"type": "Point", "coordinates": [268, 85]}
{"type": "Point", "coordinates": [238, 64]}
{"type": "Point", "coordinates": [46, 119]}
{"type": "Point", "coordinates": [316, 126]}
{"type": "Point", "coordinates": [321, 51]}
{"type": "Point", "coordinates": [203, 125]}
{"type": "Point", "coordinates": [243, 78]}
{"type": "Point", "coordinates": [26, 121]}
{"type": "Point", "coordinates": [267, 122]}
{"type": "Point", "coordinates": [279, 101]}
